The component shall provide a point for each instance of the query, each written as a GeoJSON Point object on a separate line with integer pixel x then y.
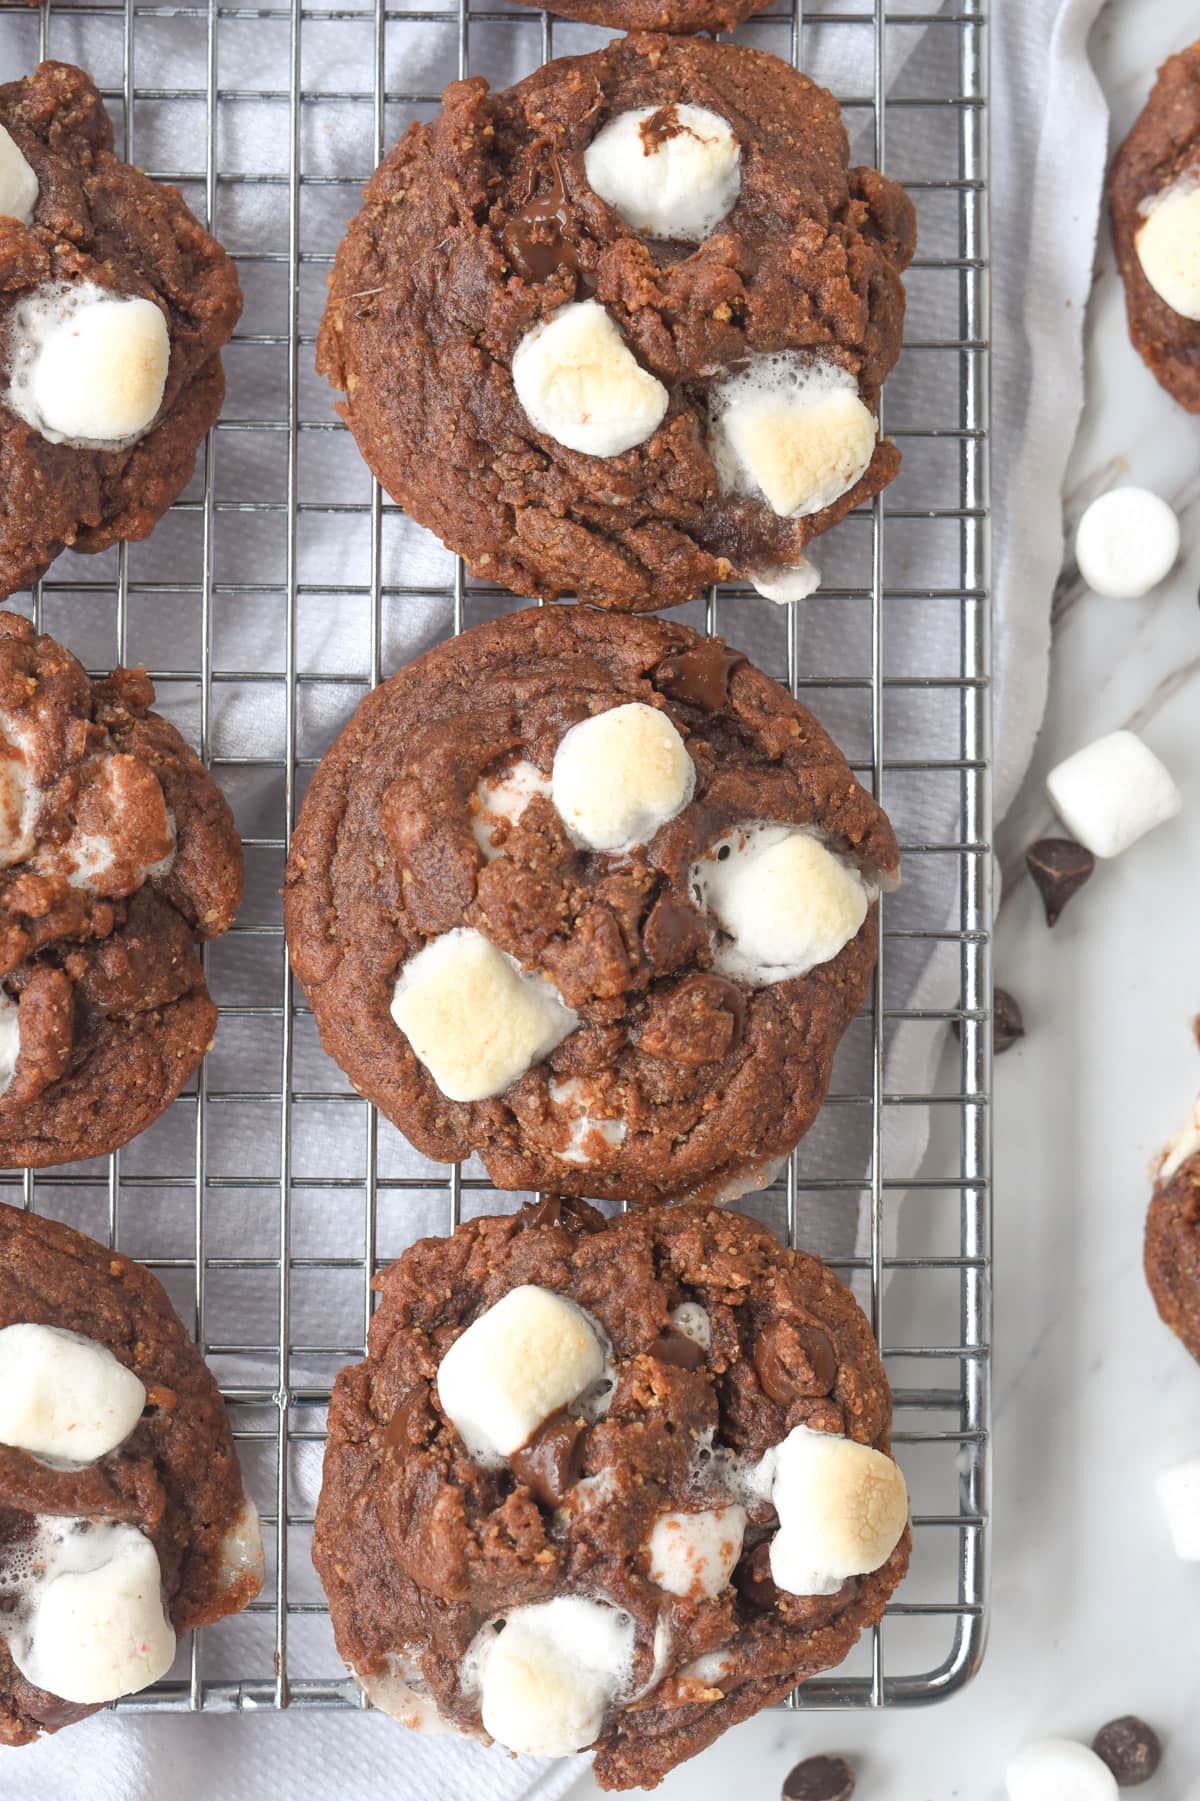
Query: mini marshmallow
{"type": "Point", "coordinates": [1110, 793]}
{"type": "Point", "coordinates": [678, 181]}
{"type": "Point", "coordinates": [691, 1320]}
{"type": "Point", "coordinates": [785, 902]}
{"type": "Point", "coordinates": [548, 1679]}
{"type": "Point", "coordinates": [1126, 543]}
{"type": "Point", "coordinates": [842, 1509]}
{"type": "Point", "coordinates": [581, 1146]}
{"type": "Point", "coordinates": [695, 1553]}
{"type": "Point", "coordinates": [1177, 1150]}
{"type": "Point", "coordinates": [793, 430]}
{"type": "Point", "coordinates": [521, 1360]}
{"type": "Point", "coordinates": [18, 183]}
{"type": "Point", "coordinates": [620, 775]}
{"type": "Point", "coordinates": [1179, 1493]}
{"type": "Point", "coordinates": [1168, 246]}
{"type": "Point", "coordinates": [581, 385]}
{"type": "Point", "coordinates": [504, 797]}
{"type": "Point", "coordinates": [89, 367]}
{"type": "Point", "coordinates": [10, 1044]}
{"type": "Point", "coordinates": [1059, 1769]}
{"type": "Point", "coordinates": [94, 1626]}
{"type": "Point", "coordinates": [473, 1018]}
{"type": "Point", "coordinates": [790, 581]}
{"type": "Point", "coordinates": [63, 1395]}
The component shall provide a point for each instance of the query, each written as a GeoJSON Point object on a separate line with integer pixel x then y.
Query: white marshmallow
{"type": "Point", "coordinates": [667, 186]}
{"type": "Point", "coordinates": [1059, 1769]}
{"type": "Point", "coordinates": [620, 775]}
{"type": "Point", "coordinates": [473, 1018]}
{"type": "Point", "coordinates": [1168, 246]}
{"type": "Point", "coordinates": [242, 1549]}
{"type": "Point", "coordinates": [520, 1361]}
{"type": "Point", "coordinates": [1177, 1150]}
{"type": "Point", "coordinates": [791, 581]}
{"type": "Point", "coordinates": [691, 1320]}
{"type": "Point", "coordinates": [20, 804]}
{"type": "Point", "coordinates": [401, 1691]}
{"type": "Point", "coordinates": [10, 1044]}
{"type": "Point", "coordinates": [88, 367]}
{"type": "Point", "coordinates": [695, 1553]}
{"type": "Point", "coordinates": [1179, 1493]}
{"type": "Point", "coordinates": [18, 183]}
{"type": "Point", "coordinates": [708, 1668]}
{"type": "Point", "coordinates": [842, 1509]}
{"type": "Point", "coordinates": [504, 797]}
{"type": "Point", "coordinates": [786, 903]}
{"type": "Point", "coordinates": [1126, 543]}
{"type": "Point", "coordinates": [791, 429]}
{"type": "Point", "coordinates": [1110, 793]}
{"type": "Point", "coordinates": [90, 1624]}
{"type": "Point", "coordinates": [548, 1679]}
{"type": "Point", "coordinates": [750, 1179]}
{"type": "Point", "coordinates": [581, 385]}
{"type": "Point", "coordinates": [580, 1148]}
{"type": "Point", "coordinates": [63, 1395]}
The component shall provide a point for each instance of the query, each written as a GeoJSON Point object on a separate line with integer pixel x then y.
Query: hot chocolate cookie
{"type": "Point", "coordinates": [621, 330]}
{"type": "Point", "coordinates": [592, 897]}
{"type": "Point", "coordinates": [607, 1485]}
{"type": "Point", "coordinates": [1173, 1236]}
{"type": "Point", "coordinates": [114, 307]}
{"type": "Point", "coordinates": [118, 854]}
{"type": "Point", "coordinates": [1154, 190]}
{"type": "Point", "coordinates": [652, 15]}
{"type": "Point", "coordinates": [123, 1521]}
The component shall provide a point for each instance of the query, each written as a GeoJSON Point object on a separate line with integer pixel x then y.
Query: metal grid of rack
{"type": "Point", "coordinates": [270, 1192]}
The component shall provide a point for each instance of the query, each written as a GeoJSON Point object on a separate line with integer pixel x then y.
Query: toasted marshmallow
{"type": "Point", "coordinates": [63, 1395]}
{"type": "Point", "coordinates": [788, 582]}
{"type": "Point", "coordinates": [1177, 1150]}
{"type": "Point", "coordinates": [10, 1050]}
{"type": "Point", "coordinates": [1179, 1493]}
{"type": "Point", "coordinates": [1168, 246]}
{"type": "Point", "coordinates": [791, 429]}
{"type": "Point", "coordinates": [1126, 543]}
{"type": "Point", "coordinates": [1059, 1769]}
{"type": "Point", "coordinates": [691, 1320]}
{"type": "Point", "coordinates": [785, 903]}
{"type": "Point", "coordinates": [401, 1691]}
{"type": "Point", "coordinates": [89, 1624]}
{"type": "Point", "coordinates": [18, 183]}
{"type": "Point", "coordinates": [1110, 793]}
{"type": "Point", "coordinates": [670, 171]}
{"type": "Point", "coordinates": [473, 1018]}
{"type": "Point", "coordinates": [548, 1679]}
{"type": "Point", "coordinates": [88, 367]}
{"type": "Point", "coordinates": [694, 1553]}
{"type": "Point", "coordinates": [581, 385]}
{"type": "Point", "coordinates": [842, 1509]}
{"type": "Point", "coordinates": [620, 775]}
{"type": "Point", "coordinates": [504, 798]}
{"type": "Point", "coordinates": [521, 1360]}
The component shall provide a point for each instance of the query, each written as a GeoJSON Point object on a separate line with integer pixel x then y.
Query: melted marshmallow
{"type": "Point", "coordinates": [784, 901]}
{"type": "Point", "coordinates": [792, 430]}
{"type": "Point", "coordinates": [10, 1040]}
{"type": "Point", "coordinates": [581, 385]}
{"type": "Point", "coordinates": [504, 798]}
{"type": "Point", "coordinates": [585, 1128]}
{"type": "Point", "coordinates": [677, 181]}
{"type": "Point", "coordinates": [1177, 1150]}
{"type": "Point", "coordinates": [842, 1509]}
{"type": "Point", "coordinates": [87, 367]}
{"type": "Point", "coordinates": [547, 1681]}
{"type": "Point", "coordinates": [621, 775]}
{"type": "Point", "coordinates": [694, 1554]}
{"type": "Point", "coordinates": [1168, 245]}
{"type": "Point", "coordinates": [401, 1691]}
{"type": "Point", "coordinates": [63, 1395]}
{"type": "Point", "coordinates": [18, 183]}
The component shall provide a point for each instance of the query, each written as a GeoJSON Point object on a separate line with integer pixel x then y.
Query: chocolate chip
{"type": "Point", "coordinates": [551, 1462]}
{"type": "Point", "coordinates": [1131, 1749]}
{"type": "Point", "coordinates": [1007, 1022]}
{"type": "Point", "coordinates": [678, 1350]}
{"type": "Point", "coordinates": [793, 1361]}
{"type": "Point", "coordinates": [753, 1579]}
{"type": "Point", "coordinates": [562, 1210]}
{"type": "Point", "coordinates": [699, 677]}
{"type": "Point", "coordinates": [819, 1779]}
{"type": "Point", "coordinates": [1060, 867]}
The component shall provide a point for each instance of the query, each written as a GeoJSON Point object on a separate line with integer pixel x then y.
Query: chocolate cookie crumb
{"type": "Point", "coordinates": [1131, 1749]}
{"type": "Point", "coordinates": [1059, 867]}
{"type": "Point", "coordinates": [819, 1779]}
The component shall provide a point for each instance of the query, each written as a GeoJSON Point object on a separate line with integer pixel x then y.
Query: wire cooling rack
{"type": "Point", "coordinates": [283, 585]}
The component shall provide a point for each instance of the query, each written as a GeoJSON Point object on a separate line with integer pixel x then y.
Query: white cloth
{"type": "Point", "coordinates": [1048, 153]}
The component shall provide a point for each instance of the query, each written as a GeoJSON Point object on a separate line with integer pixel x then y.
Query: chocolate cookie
{"type": "Point", "coordinates": [114, 307]}
{"type": "Point", "coordinates": [652, 15]}
{"type": "Point", "coordinates": [1173, 1236]}
{"type": "Point", "coordinates": [123, 1520]}
{"type": "Point", "coordinates": [118, 853]}
{"type": "Point", "coordinates": [592, 897]}
{"type": "Point", "coordinates": [653, 1451]}
{"type": "Point", "coordinates": [1154, 190]}
{"type": "Point", "coordinates": [621, 330]}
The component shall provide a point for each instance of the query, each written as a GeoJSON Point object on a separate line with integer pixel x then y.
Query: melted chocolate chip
{"type": "Point", "coordinates": [562, 1210]}
{"type": "Point", "coordinates": [673, 933]}
{"type": "Point", "coordinates": [534, 240]}
{"type": "Point", "coordinates": [1131, 1749]}
{"type": "Point", "coordinates": [699, 677]}
{"type": "Point", "coordinates": [678, 1350]}
{"type": "Point", "coordinates": [1060, 867]}
{"type": "Point", "coordinates": [406, 1427]}
{"type": "Point", "coordinates": [794, 1361]}
{"type": "Point", "coordinates": [819, 1779]}
{"type": "Point", "coordinates": [551, 1462]}
{"type": "Point", "coordinates": [753, 1579]}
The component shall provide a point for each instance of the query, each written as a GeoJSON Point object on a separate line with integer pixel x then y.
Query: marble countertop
{"type": "Point", "coordinates": [1091, 1613]}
